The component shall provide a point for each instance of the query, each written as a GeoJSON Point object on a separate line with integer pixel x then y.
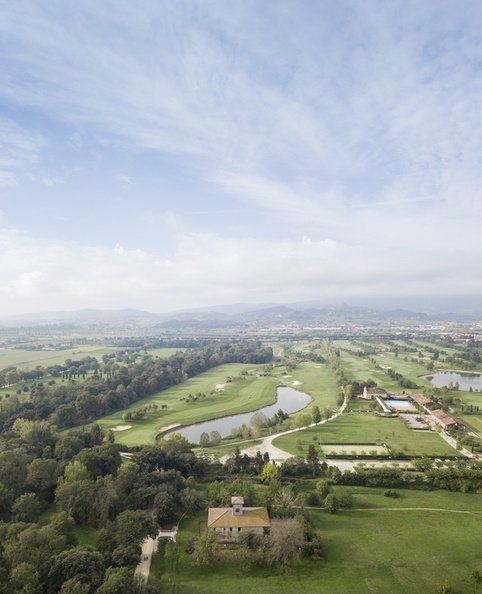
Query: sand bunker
{"type": "Point", "coordinates": [219, 388]}
{"type": "Point", "coordinates": [120, 427]}
{"type": "Point", "coordinates": [296, 383]}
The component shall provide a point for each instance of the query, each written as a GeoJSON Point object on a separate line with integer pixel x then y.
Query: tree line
{"type": "Point", "coordinates": [72, 403]}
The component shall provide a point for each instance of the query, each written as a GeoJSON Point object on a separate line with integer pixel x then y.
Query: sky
{"type": "Point", "coordinates": [176, 154]}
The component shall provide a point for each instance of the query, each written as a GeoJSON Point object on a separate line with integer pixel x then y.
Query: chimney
{"type": "Point", "coordinates": [237, 503]}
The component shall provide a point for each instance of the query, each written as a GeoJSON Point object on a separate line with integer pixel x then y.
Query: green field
{"type": "Point", "coordinates": [368, 550]}
{"type": "Point", "coordinates": [241, 396]}
{"type": "Point", "coordinates": [361, 369]}
{"type": "Point", "coordinates": [316, 380]}
{"type": "Point", "coordinates": [474, 422]}
{"type": "Point", "coordinates": [24, 359]}
{"type": "Point", "coordinates": [360, 428]}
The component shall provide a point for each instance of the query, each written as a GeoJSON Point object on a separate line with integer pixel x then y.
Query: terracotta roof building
{"type": "Point", "coordinates": [444, 419]}
{"type": "Point", "coordinates": [230, 522]}
{"type": "Point", "coordinates": [420, 399]}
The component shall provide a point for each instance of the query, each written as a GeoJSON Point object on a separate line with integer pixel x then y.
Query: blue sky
{"type": "Point", "coordinates": [174, 154]}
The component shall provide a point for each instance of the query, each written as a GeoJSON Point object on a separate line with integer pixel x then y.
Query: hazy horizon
{"type": "Point", "coordinates": [174, 155]}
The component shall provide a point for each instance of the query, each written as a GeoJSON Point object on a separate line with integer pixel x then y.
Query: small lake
{"type": "Point", "coordinates": [288, 399]}
{"type": "Point", "coordinates": [465, 380]}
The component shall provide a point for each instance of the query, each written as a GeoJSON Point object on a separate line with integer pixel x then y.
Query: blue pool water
{"type": "Point", "coordinates": [399, 403]}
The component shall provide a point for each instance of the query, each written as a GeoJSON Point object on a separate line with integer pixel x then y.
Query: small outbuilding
{"type": "Point", "coordinates": [230, 522]}
{"type": "Point", "coordinates": [371, 393]}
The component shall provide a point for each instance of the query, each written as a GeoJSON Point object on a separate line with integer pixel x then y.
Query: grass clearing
{"type": "Point", "coordinates": [352, 428]}
{"type": "Point", "coordinates": [373, 551]}
{"type": "Point", "coordinates": [244, 395]}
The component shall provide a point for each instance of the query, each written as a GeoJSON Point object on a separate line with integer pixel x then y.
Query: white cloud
{"type": "Point", "coordinates": [40, 275]}
{"type": "Point", "coordinates": [367, 133]}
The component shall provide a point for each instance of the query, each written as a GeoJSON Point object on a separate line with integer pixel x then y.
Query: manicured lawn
{"type": "Point", "coordinates": [361, 369]}
{"type": "Point", "coordinates": [316, 380]}
{"type": "Point", "coordinates": [373, 551]}
{"type": "Point", "coordinates": [409, 369]}
{"type": "Point", "coordinates": [363, 428]}
{"type": "Point", "coordinates": [474, 422]}
{"type": "Point", "coordinates": [241, 396]}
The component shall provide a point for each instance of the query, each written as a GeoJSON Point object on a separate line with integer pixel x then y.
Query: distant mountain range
{"type": "Point", "coordinates": [308, 314]}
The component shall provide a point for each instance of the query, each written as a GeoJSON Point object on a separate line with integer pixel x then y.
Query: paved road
{"type": "Point", "coordinates": [276, 453]}
{"type": "Point", "coordinates": [149, 547]}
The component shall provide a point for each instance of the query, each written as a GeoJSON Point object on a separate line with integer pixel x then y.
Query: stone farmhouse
{"type": "Point", "coordinates": [230, 522]}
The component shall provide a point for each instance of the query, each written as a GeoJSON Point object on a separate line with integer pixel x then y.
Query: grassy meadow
{"type": "Point", "coordinates": [375, 548]}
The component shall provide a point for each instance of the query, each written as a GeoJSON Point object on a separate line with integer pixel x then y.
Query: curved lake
{"type": "Point", "coordinates": [465, 380]}
{"type": "Point", "coordinates": [288, 399]}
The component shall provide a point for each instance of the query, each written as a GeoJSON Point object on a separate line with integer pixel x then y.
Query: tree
{"type": "Point", "coordinates": [270, 473]}
{"type": "Point", "coordinates": [24, 579]}
{"type": "Point", "coordinates": [331, 504]}
{"type": "Point", "coordinates": [192, 500]}
{"type": "Point", "coordinates": [204, 440]}
{"type": "Point", "coordinates": [322, 488]}
{"type": "Point", "coordinates": [132, 527]}
{"type": "Point", "coordinates": [42, 474]}
{"type": "Point", "coordinates": [284, 502]}
{"type": "Point", "coordinates": [82, 563]}
{"type": "Point", "coordinates": [73, 586]}
{"type": "Point", "coordinates": [118, 580]}
{"type": "Point", "coordinates": [76, 471]}
{"type": "Point", "coordinates": [327, 412]}
{"type": "Point", "coordinates": [284, 544]}
{"type": "Point", "coordinates": [126, 555]}
{"type": "Point", "coordinates": [316, 414]}
{"type": "Point", "coordinates": [312, 456]}
{"type": "Point", "coordinates": [26, 508]}
{"type": "Point", "coordinates": [215, 437]}
{"type": "Point", "coordinates": [165, 507]}
{"type": "Point", "coordinates": [206, 548]}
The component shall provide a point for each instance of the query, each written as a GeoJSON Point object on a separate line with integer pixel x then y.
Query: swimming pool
{"type": "Point", "coordinates": [397, 404]}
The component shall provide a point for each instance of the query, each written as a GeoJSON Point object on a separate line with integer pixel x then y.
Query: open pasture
{"type": "Point", "coordinates": [374, 548]}
{"type": "Point", "coordinates": [26, 359]}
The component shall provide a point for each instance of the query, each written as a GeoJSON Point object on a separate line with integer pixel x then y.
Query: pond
{"type": "Point", "coordinates": [288, 399]}
{"type": "Point", "coordinates": [465, 380]}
